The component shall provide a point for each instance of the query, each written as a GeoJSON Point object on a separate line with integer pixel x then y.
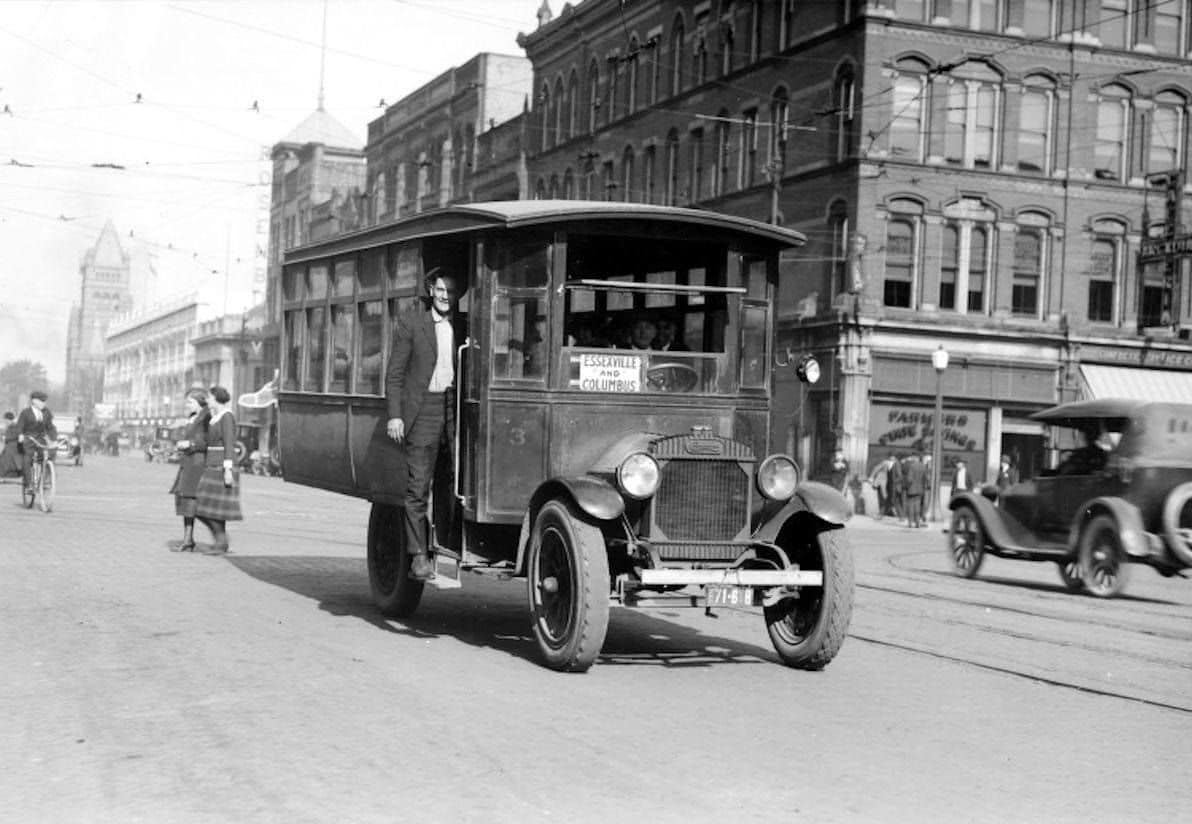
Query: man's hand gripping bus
{"type": "Point", "coordinates": [602, 465]}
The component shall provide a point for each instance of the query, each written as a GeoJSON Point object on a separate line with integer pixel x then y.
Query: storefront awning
{"type": "Point", "coordinates": [1136, 384]}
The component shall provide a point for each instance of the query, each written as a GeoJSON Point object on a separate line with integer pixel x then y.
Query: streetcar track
{"type": "Point", "coordinates": [1054, 682]}
{"type": "Point", "coordinates": [1081, 619]}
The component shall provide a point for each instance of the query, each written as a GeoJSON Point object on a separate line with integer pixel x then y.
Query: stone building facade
{"type": "Point", "coordinates": [150, 364]}
{"type": "Point", "coordinates": [972, 175]}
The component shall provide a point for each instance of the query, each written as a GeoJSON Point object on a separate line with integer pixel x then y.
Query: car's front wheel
{"type": "Point", "coordinates": [1103, 562]}
{"type": "Point", "coordinates": [1070, 574]}
{"type": "Point", "coordinates": [966, 541]}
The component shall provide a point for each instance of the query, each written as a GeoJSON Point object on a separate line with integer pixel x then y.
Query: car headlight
{"type": "Point", "coordinates": [777, 477]}
{"type": "Point", "coordinates": [638, 475]}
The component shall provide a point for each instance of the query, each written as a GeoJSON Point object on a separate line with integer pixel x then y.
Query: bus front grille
{"type": "Point", "coordinates": [702, 500]}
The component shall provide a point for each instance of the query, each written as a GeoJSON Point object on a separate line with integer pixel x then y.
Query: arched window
{"type": "Point", "coordinates": [965, 256]}
{"type": "Point", "coordinates": [628, 192]}
{"type": "Point", "coordinates": [593, 95]}
{"type": "Point", "coordinates": [648, 157]}
{"type": "Point", "coordinates": [1036, 114]}
{"type": "Point", "coordinates": [631, 79]}
{"type": "Point", "coordinates": [974, 103]}
{"type": "Point", "coordinates": [727, 59]}
{"type": "Point", "coordinates": [560, 112]}
{"type": "Point", "coordinates": [838, 232]}
{"type": "Point", "coordinates": [1166, 132]}
{"type": "Point", "coordinates": [540, 190]}
{"type": "Point", "coordinates": [1030, 264]}
{"type": "Point", "coordinates": [699, 61]}
{"type": "Point", "coordinates": [554, 187]}
{"type": "Point", "coordinates": [1113, 121]}
{"type": "Point", "coordinates": [695, 188]}
{"type": "Point", "coordinates": [786, 29]}
{"type": "Point", "coordinates": [672, 168]}
{"type": "Point", "coordinates": [612, 102]}
{"type": "Point", "coordinates": [545, 119]}
{"type": "Point", "coordinates": [903, 232]}
{"type": "Point", "coordinates": [1106, 260]}
{"type": "Point", "coordinates": [569, 184]}
{"type": "Point", "coordinates": [779, 110]}
{"type": "Point", "coordinates": [572, 103]}
{"type": "Point", "coordinates": [908, 104]}
{"type": "Point", "coordinates": [725, 162]}
{"type": "Point", "coordinates": [677, 36]}
{"type": "Point", "coordinates": [843, 105]}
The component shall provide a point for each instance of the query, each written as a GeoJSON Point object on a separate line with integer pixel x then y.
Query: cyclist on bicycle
{"type": "Point", "coordinates": [36, 421]}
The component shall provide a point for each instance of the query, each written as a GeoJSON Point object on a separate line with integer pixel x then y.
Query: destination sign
{"type": "Point", "coordinates": [607, 373]}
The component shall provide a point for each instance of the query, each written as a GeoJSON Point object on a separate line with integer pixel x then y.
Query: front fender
{"type": "Point", "coordinates": [989, 515]}
{"type": "Point", "coordinates": [596, 497]}
{"type": "Point", "coordinates": [1131, 532]}
{"type": "Point", "coordinates": [813, 497]}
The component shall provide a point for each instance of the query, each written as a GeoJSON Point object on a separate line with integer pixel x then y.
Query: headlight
{"type": "Point", "coordinates": [638, 475]}
{"type": "Point", "coordinates": [777, 477]}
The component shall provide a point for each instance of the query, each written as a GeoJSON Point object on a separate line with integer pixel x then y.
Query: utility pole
{"type": "Point", "coordinates": [1169, 250]}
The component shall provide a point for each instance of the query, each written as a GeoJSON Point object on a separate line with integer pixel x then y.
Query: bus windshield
{"type": "Point", "coordinates": [680, 312]}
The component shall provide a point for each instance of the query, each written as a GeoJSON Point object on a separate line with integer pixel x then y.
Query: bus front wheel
{"type": "Point", "coordinates": [389, 564]}
{"type": "Point", "coordinates": [568, 587]}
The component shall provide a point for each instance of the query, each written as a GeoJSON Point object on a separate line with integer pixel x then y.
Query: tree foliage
{"type": "Point", "coordinates": [19, 378]}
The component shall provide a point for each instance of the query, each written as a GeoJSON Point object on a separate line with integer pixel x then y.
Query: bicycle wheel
{"type": "Point", "coordinates": [29, 493]}
{"type": "Point", "coordinates": [45, 490]}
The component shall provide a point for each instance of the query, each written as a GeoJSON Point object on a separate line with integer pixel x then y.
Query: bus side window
{"type": "Point", "coordinates": [519, 338]}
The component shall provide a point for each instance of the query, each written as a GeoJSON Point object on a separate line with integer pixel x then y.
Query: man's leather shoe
{"type": "Point", "coordinates": [421, 569]}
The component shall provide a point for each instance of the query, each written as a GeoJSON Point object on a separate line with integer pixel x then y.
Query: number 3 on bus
{"type": "Point", "coordinates": [611, 419]}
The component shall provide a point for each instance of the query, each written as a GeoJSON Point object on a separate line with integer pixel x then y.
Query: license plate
{"type": "Point", "coordinates": [719, 595]}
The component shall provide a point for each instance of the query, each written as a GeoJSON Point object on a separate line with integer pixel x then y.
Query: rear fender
{"type": "Point", "coordinates": [810, 498]}
{"type": "Point", "coordinates": [595, 497]}
{"type": "Point", "coordinates": [1131, 532]}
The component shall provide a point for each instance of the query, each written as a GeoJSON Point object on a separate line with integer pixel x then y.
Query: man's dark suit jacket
{"type": "Point", "coordinates": [411, 362]}
{"type": "Point", "coordinates": [29, 425]}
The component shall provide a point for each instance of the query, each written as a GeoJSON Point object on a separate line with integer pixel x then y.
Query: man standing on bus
{"type": "Point", "coordinates": [420, 394]}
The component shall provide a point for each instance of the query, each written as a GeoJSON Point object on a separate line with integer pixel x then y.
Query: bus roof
{"type": "Point", "coordinates": [513, 214]}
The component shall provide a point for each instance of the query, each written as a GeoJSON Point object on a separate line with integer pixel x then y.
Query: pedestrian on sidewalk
{"type": "Point", "coordinates": [879, 479]}
{"type": "Point", "coordinates": [217, 499]}
{"type": "Point", "coordinates": [916, 487]}
{"type": "Point", "coordinates": [898, 486]}
{"type": "Point", "coordinates": [193, 455]}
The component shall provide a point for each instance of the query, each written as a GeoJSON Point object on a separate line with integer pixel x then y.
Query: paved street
{"type": "Point", "coordinates": [146, 685]}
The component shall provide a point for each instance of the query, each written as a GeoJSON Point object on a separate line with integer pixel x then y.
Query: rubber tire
{"type": "Point", "coordinates": [28, 494]}
{"type": "Point", "coordinates": [389, 564]}
{"type": "Point", "coordinates": [46, 487]}
{"type": "Point", "coordinates": [1070, 575]}
{"type": "Point", "coordinates": [808, 631]}
{"type": "Point", "coordinates": [1104, 575]}
{"type": "Point", "coordinates": [570, 623]}
{"type": "Point", "coordinates": [1173, 507]}
{"type": "Point", "coordinates": [969, 564]}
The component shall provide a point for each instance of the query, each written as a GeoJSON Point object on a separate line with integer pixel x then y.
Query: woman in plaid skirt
{"type": "Point", "coordinates": [193, 451]}
{"type": "Point", "coordinates": [218, 498]}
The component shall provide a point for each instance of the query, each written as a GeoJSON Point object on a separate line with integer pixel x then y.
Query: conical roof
{"type": "Point", "coordinates": [107, 251]}
{"type": "Point", "coordinates": [324, 129]}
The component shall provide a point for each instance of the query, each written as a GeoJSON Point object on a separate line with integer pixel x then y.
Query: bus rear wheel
{"type": "Point", "coordinates": [567, 575]}
{"type": "Point", "coordinates": [389, 564]}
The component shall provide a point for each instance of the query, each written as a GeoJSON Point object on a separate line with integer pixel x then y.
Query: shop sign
{"type": "Point", "coordinates": [1169, 358]}
{"type": "Point", "coordinates": [912, 427]}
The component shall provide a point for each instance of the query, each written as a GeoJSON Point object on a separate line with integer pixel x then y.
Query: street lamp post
{"type": "Point", "coordinates": [939, 359]}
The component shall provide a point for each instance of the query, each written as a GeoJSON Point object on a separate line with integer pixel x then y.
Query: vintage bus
{"type": "Point", "coordinates": [601, 473]}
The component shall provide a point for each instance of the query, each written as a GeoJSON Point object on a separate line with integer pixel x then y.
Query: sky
{"type": "Point", "coordinates": [155, 116]}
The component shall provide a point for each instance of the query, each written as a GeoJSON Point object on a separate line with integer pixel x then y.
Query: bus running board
{"type": "Point", "coordinates": [447, 572]}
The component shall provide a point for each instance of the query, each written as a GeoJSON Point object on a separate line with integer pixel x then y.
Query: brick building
{"type": "Point", "coordinates": [422, 152]}
{"type": "Point", "coordinates": [972, 175]}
